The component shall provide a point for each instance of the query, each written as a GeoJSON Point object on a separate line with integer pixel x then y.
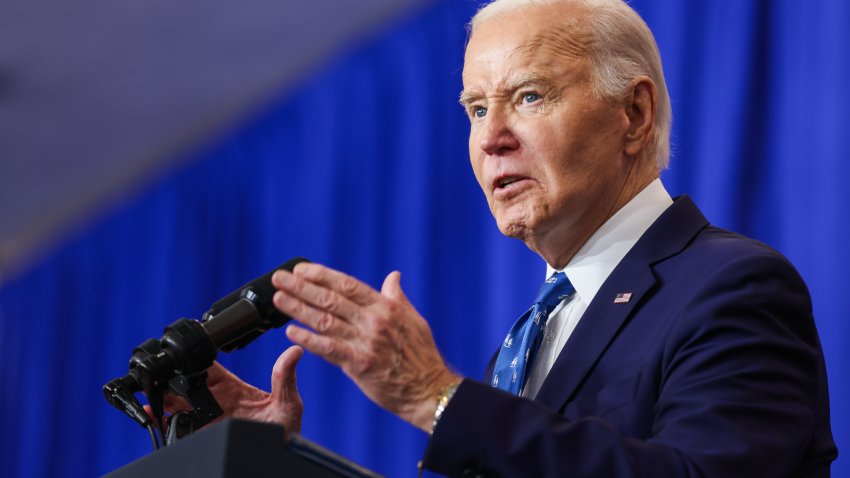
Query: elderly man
{"type": "Point", "coordinates": [659, 344]}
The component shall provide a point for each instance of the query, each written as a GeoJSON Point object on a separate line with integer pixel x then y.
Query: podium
{"type": "Point", "coordinates": [239, 448]}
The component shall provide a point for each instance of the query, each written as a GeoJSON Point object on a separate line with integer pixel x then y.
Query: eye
{"type": "Point", "coordinates": [530, 97]}
{"type": "Point", "coordinates": [479, 111]}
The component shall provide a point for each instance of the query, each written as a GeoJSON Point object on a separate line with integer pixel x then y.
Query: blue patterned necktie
{"type": "Point", "coordinates": [523, 341]}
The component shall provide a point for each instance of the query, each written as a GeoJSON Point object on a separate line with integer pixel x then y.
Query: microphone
{"type": "Point", "coordinates": [188, 346]}
{"type": "Point", "coordinates": [246, 313]}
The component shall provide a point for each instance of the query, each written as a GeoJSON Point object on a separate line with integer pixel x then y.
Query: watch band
{"type": "Point", "coordinates": [443, 401]}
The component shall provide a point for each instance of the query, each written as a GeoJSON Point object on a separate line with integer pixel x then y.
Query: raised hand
{"type": "Point", "coordinates": [378, 339]}
{"type": "Point", "coordinates": [241, 400]}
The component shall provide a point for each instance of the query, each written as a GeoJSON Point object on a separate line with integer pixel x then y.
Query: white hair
{"type": "Point", "coordinates": [622, 48]}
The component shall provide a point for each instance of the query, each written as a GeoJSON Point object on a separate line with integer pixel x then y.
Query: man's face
{"type": "Point", "coordinates": [546, 152]}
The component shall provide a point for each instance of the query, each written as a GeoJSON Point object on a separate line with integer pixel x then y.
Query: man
{"type": "Point", "coordinates": [673, 348]}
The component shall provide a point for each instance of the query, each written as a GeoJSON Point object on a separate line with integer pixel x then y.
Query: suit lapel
{"type": "Point", "coordinates": [597, 328]}
{"type": "Point", "coordinates": [604, 318]}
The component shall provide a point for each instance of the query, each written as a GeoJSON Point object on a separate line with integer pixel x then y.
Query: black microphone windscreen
{"type": "Point", "coordinates": [261, 285]}
{"type": "Point", "coordinates": [260, 292]}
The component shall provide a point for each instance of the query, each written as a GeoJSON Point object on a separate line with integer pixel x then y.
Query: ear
{"type": "Point", "coordinates": [640, 110]}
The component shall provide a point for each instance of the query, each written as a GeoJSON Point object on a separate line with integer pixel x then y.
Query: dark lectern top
{"type": "Point", "coordinates": [238, 448]}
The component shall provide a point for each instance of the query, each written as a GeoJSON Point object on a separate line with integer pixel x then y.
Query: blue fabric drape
{"type": "Point", "coordinates": [365, 169]}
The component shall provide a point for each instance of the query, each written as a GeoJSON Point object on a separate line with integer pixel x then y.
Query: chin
{"type": "Point", "coordinates": [517, 228]}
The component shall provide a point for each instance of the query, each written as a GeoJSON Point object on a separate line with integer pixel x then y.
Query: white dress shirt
{"type": "Point", "coordinates": [589, 269]}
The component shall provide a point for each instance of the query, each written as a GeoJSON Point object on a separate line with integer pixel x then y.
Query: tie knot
{"type": "Point", "coordinates": [554, 290]}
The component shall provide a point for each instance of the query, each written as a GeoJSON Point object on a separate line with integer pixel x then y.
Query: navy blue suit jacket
{"type": "Point", "coordinates": [712, 369]}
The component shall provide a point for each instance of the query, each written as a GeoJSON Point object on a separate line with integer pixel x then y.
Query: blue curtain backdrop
{"type": "Point", "coordinates": [365, 168]}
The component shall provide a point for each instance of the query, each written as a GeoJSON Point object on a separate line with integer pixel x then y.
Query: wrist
{"type": "Point", "coordinates": [429, 405]}
{"type": "Point", "coordinates": [443, 399]}
{"type": "Point", "coordinates": [423, 412]}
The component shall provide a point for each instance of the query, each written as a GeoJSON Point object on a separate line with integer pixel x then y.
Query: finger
{"type": "Point", "coordinates": [392, 286]}
{"type": "Point", "coordinates": [150, 415]}
{"type": "Point", "coordinates": [175, 403]}
{"type": "Point", "coordinates": [330, 349]}
{"type": "Point", "coordinates": [318, 296]}
{"type": "Point", "coordinates": [216, 373]}
{"type": "Point", "coordinates": [323, 321]}
{"type": "Point", "coordinates": [284, 389]}
{"type": "Point", "coordinates": [172, 405]}
{"type": "Point", "coordinates": [344, 284]}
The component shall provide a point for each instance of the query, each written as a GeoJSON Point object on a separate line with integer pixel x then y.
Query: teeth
{"type": "Point", "coordinates": [507, 181]}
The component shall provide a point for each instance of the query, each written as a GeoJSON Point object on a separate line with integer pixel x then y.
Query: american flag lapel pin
{"type": "Point", "coordinates": [623, 297]}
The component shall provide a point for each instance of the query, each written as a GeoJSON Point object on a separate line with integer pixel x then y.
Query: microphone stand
{"type": "Point", "coordinates": [205, 408]}
{"type": "Point", "coordinates": [178, 361]}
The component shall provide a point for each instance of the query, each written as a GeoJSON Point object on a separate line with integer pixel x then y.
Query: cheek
{"type": "Point", "coordinates": [556, 158]}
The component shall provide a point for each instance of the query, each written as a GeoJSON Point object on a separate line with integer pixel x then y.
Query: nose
{"type": "Point", "coordinates": [496, 134]}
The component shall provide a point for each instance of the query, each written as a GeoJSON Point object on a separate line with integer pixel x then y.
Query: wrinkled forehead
{"type": "Point", "coordinates": [542, 36]}
{"type": "Point", "coordinates": [569, 39]}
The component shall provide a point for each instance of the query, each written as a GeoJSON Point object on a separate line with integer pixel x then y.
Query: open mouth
{"type": "Point", "coordinates": [504, 182]}
{"type": "Point", "coordinates": [507, 181]}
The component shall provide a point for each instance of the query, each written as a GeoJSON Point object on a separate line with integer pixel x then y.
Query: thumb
{"type": "Point", "coordinates": [284, 388]}
{"type": "Point", "coordinates": [392, 286]}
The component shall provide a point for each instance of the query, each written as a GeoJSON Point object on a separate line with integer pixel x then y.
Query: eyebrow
{"type": "Point", "coordinates": [465, 98]}
{"type": "Point", "coordinates": [525, 81]}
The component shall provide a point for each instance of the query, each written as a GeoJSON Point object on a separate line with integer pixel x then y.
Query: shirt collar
{"type": "Point", "coordinates": [598, 257]}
